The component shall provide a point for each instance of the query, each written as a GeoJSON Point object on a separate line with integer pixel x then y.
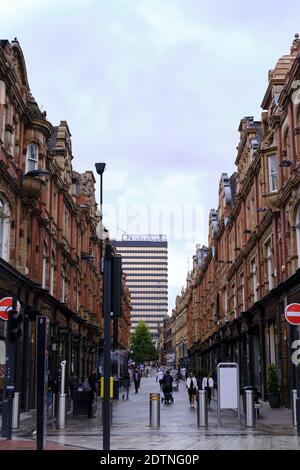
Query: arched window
{"type": "Point", "coordinates": [32, 157]}
{"type": "Point", "coordinates": [4, 229]}
{"type": "Point", "coordinates": [298, 233]}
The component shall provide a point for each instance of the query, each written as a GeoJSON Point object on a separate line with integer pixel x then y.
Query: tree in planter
{"type": "Point", "coordinates": [142, 345]}
{"type": "Point", "coordinates": [272, 387]}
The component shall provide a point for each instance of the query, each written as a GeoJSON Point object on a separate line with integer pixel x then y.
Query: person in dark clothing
{"type": "Point", "coordinates": [73, 384]}
{"type": "Point", "coordinates": [125, 386]}
{"type": "Point", "coordinates": [136, 380]}
{"type": "Point", "coordinates": [208, 384]}
{"type": "Point", "coordinates": [167, 386]}
{"type": "Point", "coordinates": [91, 394]}
{"type": "Point", "coordinates": [51, 388]}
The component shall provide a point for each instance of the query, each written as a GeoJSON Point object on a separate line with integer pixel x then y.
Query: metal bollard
{"type": "Point", "coordinates": [154, 409]}
{"type": "Point", "coordinates": [249, 409]}
{"type": "Point", "coordinates": [62, 399]}
{"type": "Point", "coordinates": [16, 411]}
{"type": "Point", "coordinates": [294, 408]}
{"type": "Point", "coordinates": [202, 411]}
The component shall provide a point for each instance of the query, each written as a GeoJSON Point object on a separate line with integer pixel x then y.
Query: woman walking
{"type": "Point", "coordinates": [208, 384]}
{"type": "Point", "coordinates": [192, 387]}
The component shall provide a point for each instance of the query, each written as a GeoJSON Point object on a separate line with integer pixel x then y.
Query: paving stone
{"type": "Point", "coordinates": [178, 430]}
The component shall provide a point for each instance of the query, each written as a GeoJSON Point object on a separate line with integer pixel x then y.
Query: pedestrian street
{"type": "Point", "coordinates": [178, 427]}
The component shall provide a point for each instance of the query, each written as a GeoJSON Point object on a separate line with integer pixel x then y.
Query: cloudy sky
{"type": "Point", "coordinates": [156, 89]}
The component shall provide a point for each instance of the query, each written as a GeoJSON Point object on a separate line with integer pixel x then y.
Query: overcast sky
{"type": "Point", "coordinates": [156, 89]}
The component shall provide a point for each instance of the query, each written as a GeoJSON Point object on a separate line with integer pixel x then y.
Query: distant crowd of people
{"type": "Point", "coordinates": [166, 380]}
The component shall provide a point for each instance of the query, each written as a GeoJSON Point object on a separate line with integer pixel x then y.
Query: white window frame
{"type": "Point", "coordinates": [254, 277]}
{"type": "Point", "coordinates": [225, 303]}
{"type": "Point", "coordinates": [233, 287]}
{"type": "Point", "coordinates": [268, 246]}
{"type": "Point", "coordinates": [52, 273]}
{"type": "Point", "coordinates": [242, 278]}
{"type": "Point", "coordinates": [44, 268]}
{"type": "Point", "coordinates": [4, 229]}
{"type": "Point", "coordinates": [32, 157]}
{"type": "Point", "coordinates": [272, 173]}
{"type": "Point", "coordinates": [63, 285]}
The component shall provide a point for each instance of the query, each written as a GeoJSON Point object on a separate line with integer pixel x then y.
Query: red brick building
{"type": "Point", "coordinates": [251, 268]}
{"type": "Point", "coordinates": [50, 243]}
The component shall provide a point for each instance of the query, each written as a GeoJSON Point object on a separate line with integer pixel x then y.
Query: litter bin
{"type": "Point", "coordinates": [80, 401]}
{"type": "Point", "coordinates": [249, 387]}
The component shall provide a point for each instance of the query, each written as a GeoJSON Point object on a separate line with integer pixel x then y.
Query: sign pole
{"type": "Point", "coordinates": [41, 381]}
{"type": "Point", "coordinates": [298, 389]}
{"type": "Point", "coordinates": [107, 360]}
{"type": "Point", "coordinates": [9, 379]}
{"type": "Point", "coordinates": [292, 316]}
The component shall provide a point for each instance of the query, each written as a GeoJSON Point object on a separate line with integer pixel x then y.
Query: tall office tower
{"type": "Point", "coordinates": [145, 262]}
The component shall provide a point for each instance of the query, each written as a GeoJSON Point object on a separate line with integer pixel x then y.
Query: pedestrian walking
{"type": "Point", "coordinates": [136, 379]}
{"type": "Point", "coordinates": [208, 384]}
{"type": "Point", "coordinates": [192, 387]}
{"type": "Point", "coordinates": [125, 382]}
{"type": "Point", "coordinates": [167, 387]}
{"type": "Point", "coordinates": [160, 377]}
{"type": "Point", "coordinates": [73, 384]}
{"type": "Point", "coordinates": [92, 392]}
{"type": "Point", "coordinates": [50, 389]}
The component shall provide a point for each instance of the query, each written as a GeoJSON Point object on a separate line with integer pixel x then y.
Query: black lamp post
{"type": "Point", "coordinates": [100, 167]}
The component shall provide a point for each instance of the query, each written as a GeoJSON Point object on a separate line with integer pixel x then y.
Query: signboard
{"type": "Point", "coordinates": [228, 383]}
{"type": "Point", "coordinates": [228, 388]}
{"type": "Point", "coordinates": [5, 306]}
{"type": "Point", "coordinates": [144, 238]}
{"type": "Point", "coordinates": [292, 314]}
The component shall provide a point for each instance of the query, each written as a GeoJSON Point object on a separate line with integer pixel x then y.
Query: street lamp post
{"type": "Point", "coordinates": [107, 315]}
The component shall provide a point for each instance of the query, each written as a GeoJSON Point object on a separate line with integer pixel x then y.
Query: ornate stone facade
{"type": "Point", "coordinates": [251, 271]}
{"type": "Point", "coordinates": [50, 247]}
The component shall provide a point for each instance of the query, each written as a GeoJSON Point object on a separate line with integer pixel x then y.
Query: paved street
{"type": "Point", "coordinates": [178, 429]}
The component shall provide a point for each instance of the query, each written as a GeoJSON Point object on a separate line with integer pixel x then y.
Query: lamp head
{"type": "Point", "coordinates": [100, 167]}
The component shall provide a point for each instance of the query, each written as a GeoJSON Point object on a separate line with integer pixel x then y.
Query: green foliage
{"type": "Point", "coordinates": [142, 345]}
{"type": "Point", "coordinates": [272, 380]}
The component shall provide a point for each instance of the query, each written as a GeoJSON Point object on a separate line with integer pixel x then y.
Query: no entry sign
{"type": "Point", "coordinates": [5, 306]}
{"type": "Point", "coordinates": [292, 314]}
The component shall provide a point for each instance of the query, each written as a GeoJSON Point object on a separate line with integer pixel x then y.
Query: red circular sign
{"type": "Point", "coordinates": [292, 314]}
{"type": "Point", "coordinates": [5, 306]}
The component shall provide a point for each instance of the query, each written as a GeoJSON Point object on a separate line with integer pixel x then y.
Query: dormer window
{"type": "Point", "coordinates": [272, 171]}
{"type": "Point", "coordinates": [32, 157]}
